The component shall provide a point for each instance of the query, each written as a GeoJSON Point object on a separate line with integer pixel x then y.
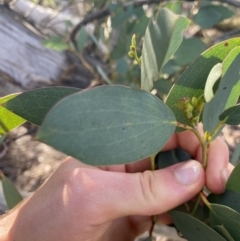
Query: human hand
{"type": "Point", "coordinates": [82, 203]}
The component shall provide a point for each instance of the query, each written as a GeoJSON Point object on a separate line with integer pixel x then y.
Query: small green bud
{"type": "Point", "coordinates": [134, 40]}
{"type": "Point", "coordinates": [194, 101]}
{"type": "Point", "coordinates": [207, 136]}
{"type": "Point", "coordinates": [200, 104]}
{"type": "Point", "coordinates": [185, 105]}
{"type": "Point", "coordinates": [131, 54]}
{"type": "Point", "coordinates": [133, 48]}
{"type": "Point", "coordinates": [182, 103]}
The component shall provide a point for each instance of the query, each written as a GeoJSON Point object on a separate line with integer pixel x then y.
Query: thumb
{"type": "Point", "coordinates": [147, 193]}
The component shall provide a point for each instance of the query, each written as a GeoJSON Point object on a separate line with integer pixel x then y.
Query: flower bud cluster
{"type": "Point", "coordinates": [133, 52]}
{"type": "Point", "coordinates": [191, 108]}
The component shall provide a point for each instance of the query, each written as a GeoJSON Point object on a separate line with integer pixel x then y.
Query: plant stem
{"type": "Point", "coordinates": [154, 220]}
{"type": "Point", "coordinates": [184, 126]}
{"type": "Point", "coordinates": [204, 145]}
{"type": "Point", "coordinates": [218, 127]}
{"type": "Point", "coordinates": [196, 204]}
{"type": "Point", "coordinates": [152, 161]}
{"type": "Point", "coordinates": [206, 202]}
{"type": "Point", "coordinates": [154, 217]}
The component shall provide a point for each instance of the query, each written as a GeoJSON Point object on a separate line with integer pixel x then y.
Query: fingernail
{"type": "Point", "coordinates": [187, 173]}
{"type": "Point", "coordinates": [224, 176]}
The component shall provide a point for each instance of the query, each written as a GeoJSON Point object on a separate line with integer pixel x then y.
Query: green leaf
{"type": "Point", "coordinates": [188, 51]}
{"type": "Point", "coordinates": [232, 115]}
{"type": "Point", "coordinates": [103, 74]}
{"type": "Point", "coordinates": [210, 15]}
{"type": "Point", "coordinates": [108, 125]}
{"type": "Point", "coordinates": [230, 80]}
{"type": "Point", "coordinates": [228, 217]}
{"type": "Point", "coordinates": [122, 65]}
{"type": "Point", "coordinates": [192, 81]}
{"type": "Point", "coordinates": [214, 75]}
{"type": "Point", "coordinates": [33, 105]}
{"type": "Point", "coordinates": [82, 39]}
{"type": "Point", "coordinates": [8, 120]}
{"type": "Point", "coordinates": [167, 158]}
{"type": "Point", "coordinates": [56, 43]}
{"type": "Point", "coordinates": [193, 229]}
{"type": "Point", "coordinates": [236, 155]}
{"type": "Point", "coordinates": [11, 194]}
{"type": "Point", "coordinates": [171, 68]}
{"type": "Point", "coordinates": [223, 232]}
{"type": "Point", "coordinates": [162, 38]}
{"type": "Point", "coordinates": [228, 198]}
{"type": "Point", "coordinates": [174, 6]}
{"type": "Point", "coordinates": [163, 85]}
{"type": "Point", "coordinates": [207, 17]}
{"type": "Point", "coordinates": [233, 182]}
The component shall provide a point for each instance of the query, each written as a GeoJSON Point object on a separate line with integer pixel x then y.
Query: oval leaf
{"type": "Point", "coordinates": [233, 182]}
{"type": "Point", "coordinates": [213, 76]}
{"type": "Point", "coordinates": [211, 14]}
{"type": "Point", "coordinates": [8, 120]}
{"type": "Point", "coordinates": [108, 125]}
{"type": "Point", "coordinates": [231, 116]}
{"type": "Point", "coordinates": [222, 231]}
{"type": "Point", "coordinates": [192, 81]}
{"type": "Point", "coordinates": [11, 194]}
{"type": "Point", "coordinates": [228, 198]}
{"type": "Point", "coordinates": [193, 229]}
{"type": "Point", "coordinates": [236, 155]}
{"type": "Point", "coordinates": [33, 105]}
{"type": "Point", "coordinates": [229, 82]}
{"type": "Point", "coordinates": [228, 217]}
{"type": "Point", "coordinates": [162, 38]}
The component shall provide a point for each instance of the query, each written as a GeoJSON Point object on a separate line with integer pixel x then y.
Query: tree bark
{"type": "Point", "coordinates": [26, 64]}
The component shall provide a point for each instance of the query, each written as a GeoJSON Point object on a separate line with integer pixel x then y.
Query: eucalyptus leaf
{"type": "Point", "coordinates": [163, 85]}
{"type": "Point", "coordinates": [228, 198]}
{"type": "Point", "coordinates": [192, 81]}
{"type": "Point", "coordinates": [233, 182]}
{"type": "Point", "coordinates": [11, 194]}
{"type": "Point", "coordinates": [171, 68]}
{"type": "Point", "coordinates": [8, 120]}
{"type": "Point", "coordinates": [229, 82]}
{"type": "Point", "coordinates": [213, 76]}
{"type": "Point", "coordinates": [108, 125]}
{"type": "Point", "coordinates": [231, 116]}
{"type": "Point", "coordinates": [210, 14]}
{"type": "Point", "coordinates": [162, 38]}
{"type": "Point", "coordinates": [33, 105]}
{"type": "Point", "coordinates": [175, 6]}
{"type": "Point", "coordinates": [207, 17]}
{"type": "Point", "coordinates": [165, 159]}
{"type": "Point", "coordinates": [193, 229]}
{"type": "Point", "coordinates": [103, 74]}
{"type": "Point", "coordinates": [228, 218]}
{"type": "Point", "coordinates": [82, 39]}
{"type": "Point", "coordinates": [188, 51]}
{"type": "Point", "coordinates": [222, 231]}
{"type": "Point", "coordinates": [236, 155]}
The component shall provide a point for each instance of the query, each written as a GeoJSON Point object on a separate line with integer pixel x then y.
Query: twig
{"type": "Point", "coordinates": [102, 14]}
